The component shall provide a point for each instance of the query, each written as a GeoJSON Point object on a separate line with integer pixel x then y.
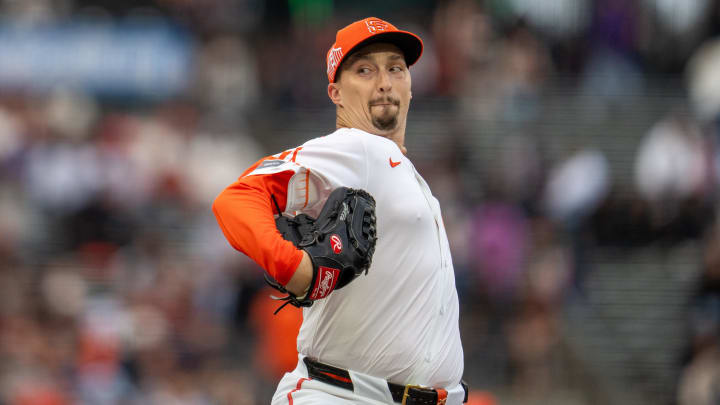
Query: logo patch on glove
{"type": "Point", "coordinates": [325, 283]}
{"type": "Point", "coordinates": [336, 244]}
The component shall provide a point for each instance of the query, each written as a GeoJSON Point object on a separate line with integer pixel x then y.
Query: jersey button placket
{"type": "Point", "coordinates": [429, 200]}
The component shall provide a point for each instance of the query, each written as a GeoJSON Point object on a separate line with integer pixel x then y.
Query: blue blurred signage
{"type": "Point", "coordinates": [147, 59]}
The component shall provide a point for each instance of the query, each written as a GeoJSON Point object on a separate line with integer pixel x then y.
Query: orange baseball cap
{"type": "Point", "coordinates": [368, 31]}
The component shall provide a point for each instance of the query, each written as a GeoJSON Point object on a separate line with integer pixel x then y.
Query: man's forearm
{"type": "Point", "coordinates": [300, 281]}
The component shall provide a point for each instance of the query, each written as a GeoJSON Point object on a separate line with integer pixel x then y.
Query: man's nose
{"type": "Point", "coordinates": [384, 83]}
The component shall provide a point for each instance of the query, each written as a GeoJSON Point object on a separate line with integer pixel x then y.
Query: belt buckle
{"type": "Point", "coordinates": [406, 393]}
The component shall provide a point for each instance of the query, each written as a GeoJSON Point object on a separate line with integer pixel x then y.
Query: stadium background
{"type": "Point", "coordinates": [572, 144]}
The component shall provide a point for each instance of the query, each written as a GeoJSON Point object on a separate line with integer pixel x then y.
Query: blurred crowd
{"type": "Point", "coordinates": [117, 287]}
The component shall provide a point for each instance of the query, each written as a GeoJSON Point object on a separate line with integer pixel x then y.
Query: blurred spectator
{"type": "Point", "coordinates": [611, 74]}
{"type": "Point", "coordinates": [11, 139]}
{"type": "Point", "coordinates": [703, 78]}
{"type": "Point", "coordinates": [460, 31]}
{"type": "Point", "coordinates": [679, 17]}
{"type": "Point", "coordinates": [532, 336]}
{"type": "Point", "coordinates": [227, 82]}
{"type": "Point", "coordinates": [672, 30]}
{"type": "Point", "coordinates": [672, 167]}
{"type": "Point", "coordinates": [34, 11]}
{"type": "Point", "coordinates": [700, 380]}
{"type": "Point", "coordinates": [70, 114]}
{"type": "Point", "coordinates": [508, 87]}
{"type": "Point", "coordinates": [701, 375]}
{"type": "Point", "coordinates": [498, 242]}
{"type": "Point", "coordinates": [517, 172]}
{"type": "Point", "coordinates": [577, 187]}
{"type": "Point", "coordinates": [557, 18]}
{"type": "Point", "coordinates": [549, 265]}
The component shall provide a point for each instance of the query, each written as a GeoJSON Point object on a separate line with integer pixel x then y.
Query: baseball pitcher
{"type": "Point", "coordinates": [347, 229]}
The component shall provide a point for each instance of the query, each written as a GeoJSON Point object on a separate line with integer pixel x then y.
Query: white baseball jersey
{"type": "Point", "coordinates": [400, 321]}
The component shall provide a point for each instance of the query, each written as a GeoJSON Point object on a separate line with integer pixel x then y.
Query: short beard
{"type": "Point", "coordinates": [385, 124]}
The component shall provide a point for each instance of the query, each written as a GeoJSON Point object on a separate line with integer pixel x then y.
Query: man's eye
{"type": "Point", "coordinates": [396, 69]}
{"type": "Point", "coordinates": [364, 70]}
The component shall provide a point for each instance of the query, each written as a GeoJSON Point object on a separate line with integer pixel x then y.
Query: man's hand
{"type": "Point", "coordinates": [337, 246]}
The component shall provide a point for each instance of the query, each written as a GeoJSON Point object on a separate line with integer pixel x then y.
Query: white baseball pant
{"type": "Point", "coordinates": [297, 388]}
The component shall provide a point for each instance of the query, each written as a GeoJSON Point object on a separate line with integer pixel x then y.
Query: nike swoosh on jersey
{"type": "Point", "coordinates": [393, 164]}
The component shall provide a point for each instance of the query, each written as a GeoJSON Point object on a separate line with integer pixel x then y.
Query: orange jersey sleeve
{"type": "Point", "coordinates": [244, 211]}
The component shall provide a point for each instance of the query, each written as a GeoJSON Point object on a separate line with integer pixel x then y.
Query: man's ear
{"type": "Point", "coordinates": [334, 93]}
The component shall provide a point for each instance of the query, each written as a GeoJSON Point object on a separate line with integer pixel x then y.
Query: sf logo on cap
{"type": "Point", "coordinates": [375, 25]}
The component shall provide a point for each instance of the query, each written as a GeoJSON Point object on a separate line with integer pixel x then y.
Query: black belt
{"type": "Point", "coordinates": [404, 394]}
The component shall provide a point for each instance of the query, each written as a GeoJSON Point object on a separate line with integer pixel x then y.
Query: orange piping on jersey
{"type": "Point", "coordinates": [295, 153]}
{"type": "Point", "coordinates": [284, 154]}
{"type": "Point", "coordinates": [307, 186]}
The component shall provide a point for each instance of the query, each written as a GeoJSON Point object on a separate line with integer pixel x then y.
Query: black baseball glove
{"type": "Point", "coordinates": [340, 243]}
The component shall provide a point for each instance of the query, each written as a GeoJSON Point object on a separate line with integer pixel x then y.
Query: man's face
{"type": "Point", "coordinates": [374, 88]}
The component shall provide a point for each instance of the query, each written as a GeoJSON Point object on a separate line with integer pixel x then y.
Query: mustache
{"type": "Point", "coordinates": [385, 100]}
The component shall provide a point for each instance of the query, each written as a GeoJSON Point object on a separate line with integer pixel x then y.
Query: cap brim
{"type": "Point", "coordinates": [410, 44]}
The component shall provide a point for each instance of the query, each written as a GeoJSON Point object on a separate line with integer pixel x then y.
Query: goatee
{"type": "Point", "coordinates": [385, 123]}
